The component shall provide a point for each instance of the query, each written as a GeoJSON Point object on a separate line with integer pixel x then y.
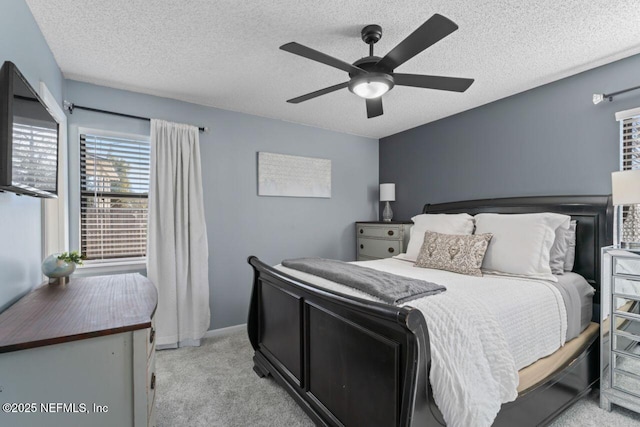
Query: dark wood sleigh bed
{"type": "Point", "coordinates": [352, 362]}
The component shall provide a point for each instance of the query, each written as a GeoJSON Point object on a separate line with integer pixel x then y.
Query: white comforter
{"type": "Point", "coordinates": [482, 330]}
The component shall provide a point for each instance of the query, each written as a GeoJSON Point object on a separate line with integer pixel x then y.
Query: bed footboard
{"type": "Point", "coordinates": [346, 361]}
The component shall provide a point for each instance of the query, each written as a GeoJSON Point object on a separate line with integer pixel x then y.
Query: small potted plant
{"type": "Point", "coordinates": [58, 267]}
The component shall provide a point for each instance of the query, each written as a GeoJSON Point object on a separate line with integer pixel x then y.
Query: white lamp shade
{"type": "Point", "coordinates": [625, 187]}
{"type": "Point", "coordinates": [387, 192]}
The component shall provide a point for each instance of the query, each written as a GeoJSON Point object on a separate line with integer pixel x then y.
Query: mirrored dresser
{"type": "Point", "coordinates": [620, 329]}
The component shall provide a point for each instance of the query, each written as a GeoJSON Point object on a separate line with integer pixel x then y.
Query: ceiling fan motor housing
{"type": "Point", "coordinates": [371, 33]}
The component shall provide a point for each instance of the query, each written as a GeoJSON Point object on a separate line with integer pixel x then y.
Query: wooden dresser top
{"type": "Point", "coordinates": [83, 308]}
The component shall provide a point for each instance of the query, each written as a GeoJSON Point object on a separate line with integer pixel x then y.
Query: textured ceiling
{"type": "Point", "coordinates": [225, 54]}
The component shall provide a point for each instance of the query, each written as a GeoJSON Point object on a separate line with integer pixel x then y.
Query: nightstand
{"type": "Point", "coordinates": [620, 329]}
{"type": "Point", "coordinates": [381, 239]}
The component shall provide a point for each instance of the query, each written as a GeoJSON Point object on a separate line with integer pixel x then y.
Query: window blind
{"type": "Point", "coordinates": [35, 155]}
{"type": "Point", "coordinates": [630, 143]}
{"type": "Point", "coordinates": [114, 181]}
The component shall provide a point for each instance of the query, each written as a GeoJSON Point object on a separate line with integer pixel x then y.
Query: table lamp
{"type": "Point", "coordinates": [625, 189]}
{"type": "Point", "coordinates": [387, 194]}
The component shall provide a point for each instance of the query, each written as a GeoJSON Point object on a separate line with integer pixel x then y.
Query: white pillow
{"type": "Point", "coordinates": [570, 256]}
{"type": "Point", "coordinates": [438, 223]}
{"type": "Point", "coordinates": [521, 243]}
{"type": "Point", "coordinates": [558, 253]}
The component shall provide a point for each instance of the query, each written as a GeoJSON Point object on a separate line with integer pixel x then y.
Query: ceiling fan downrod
{"type": "Point", "coordinates": [370, 35]}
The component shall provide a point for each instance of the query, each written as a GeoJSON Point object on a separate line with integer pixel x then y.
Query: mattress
{"type": "Point", "coordinates": [577, 295]}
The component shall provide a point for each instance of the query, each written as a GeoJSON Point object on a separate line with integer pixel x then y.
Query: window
{"type": "Point", "coordinates": [114, 189]}
{"type": "Point", "coordinates": [630, 143]}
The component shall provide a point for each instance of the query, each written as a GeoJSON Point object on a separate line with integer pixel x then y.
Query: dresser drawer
{"type": "Point", "coordinates": [625, 286]}
{"type": "Point", "coordinates": [625, 381]}
{"type": "Point", "coordinates": [376, 248]}
{"type": "Point", "coordinates": [151, 337]}
{"type": "Point", "coordinates": [151, 384]}
{"type": "Point", "coordinates": [629, 266]}
{"type": "Point", "coordinates": [152, 418]}
{"type": "Point", "coordinates": [626, 306]}
{"type": "Point", "coordinates": [626, 343]}
{"type": "Point", "coordinates": [381, 231]}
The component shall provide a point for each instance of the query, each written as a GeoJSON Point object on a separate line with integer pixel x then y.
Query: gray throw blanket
{"type": "Point", "coordinates": [390, 288]}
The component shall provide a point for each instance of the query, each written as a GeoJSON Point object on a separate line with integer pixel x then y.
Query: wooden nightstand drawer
{"type": "Point", "coordinates": [376, 248]}
{"type": "Point", "coordinates": [394, 232]}
{"type": "Point", "coordinates": [377, 240]}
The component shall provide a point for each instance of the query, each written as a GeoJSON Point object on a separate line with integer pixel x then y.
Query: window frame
{"type": "Point", "coordinates": [621, 211]}
{"type": "Point", "coordinates": [110, 265]}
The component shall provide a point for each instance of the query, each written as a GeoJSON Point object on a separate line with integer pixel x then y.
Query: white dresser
{"type": "Point", "coordinates": [380, 239]}
{"type": "Point", "coordinates": [620, 329]}
{"type": "Point", "coordinates": [80, 354]}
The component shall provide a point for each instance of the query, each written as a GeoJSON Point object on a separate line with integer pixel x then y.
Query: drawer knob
{"type": "Point", "coordinates": [390, 232]}
{"type": "Point", "coordinates": [361, 246]}
{"type": "Point", "coordinates": [152, 386]}
{"type": "Point", "coordinates": [361, 231]}
{"type": "Point", "coordinates": [391, 250]}
{"type": "Point", "coordinates": [152, 336]}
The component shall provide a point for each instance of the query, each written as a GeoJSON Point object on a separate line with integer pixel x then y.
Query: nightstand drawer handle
{"type": "Point", "coordinates": [361, 246]}
{"type": "Point", "coordinates": [390, 232]}
{"type": "Point", "coordinates": [152, 335]}
{"type": "Point", "coordinates": [391, 250]}
{"type": "Point", "coordinates": [153, 381]}
{"type": "Point", "coordinates": [361, 231]}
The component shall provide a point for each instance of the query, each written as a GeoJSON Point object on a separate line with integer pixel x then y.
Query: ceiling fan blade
{"type": "Point", "coordinates": [374, 107]}
{"type": "Point", "coordinates": [318, 93]}
{"type": "Point", "coordinates": [432, 31]}
{"type": "Point", "coordinates": [454, 84]}
{"type": "Point", "coordinates": [323, 58]}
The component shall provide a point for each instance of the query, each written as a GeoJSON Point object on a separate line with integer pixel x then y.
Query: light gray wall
{"type": "Point", "coordinates": [20, 218]}
{"type": "Point", "coordinates": [550, 140]}
{"type": "Point", "coordinates": [239, 222]}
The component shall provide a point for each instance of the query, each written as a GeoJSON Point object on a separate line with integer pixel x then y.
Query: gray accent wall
{"type": "Point", "coordinates": [239, 222]}
{"type": "Point", "coordinates": [550, 140]}
{"type": "Point", "coordinates": [20, 217]}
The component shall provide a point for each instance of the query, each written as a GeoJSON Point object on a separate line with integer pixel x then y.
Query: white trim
{"type": "Point", "coordinates": [100, 269]}
{"type": "Point", "coordinates": [55, 212]}
{"type": "Point", "coordinates": [224, 331]}
{"type": "Point", "coordinates": [627, 114]}
{"type": "Point", "coordinates": [117, 263]}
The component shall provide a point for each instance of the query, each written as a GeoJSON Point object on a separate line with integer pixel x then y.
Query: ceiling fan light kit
{"type": "Point", "coordinates": [371, 85]}
{"type": "Point", "coordinates": [371, 76]}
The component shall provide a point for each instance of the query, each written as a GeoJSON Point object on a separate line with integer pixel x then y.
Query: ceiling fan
{"type": "Point", "coordinates": [372, 76]}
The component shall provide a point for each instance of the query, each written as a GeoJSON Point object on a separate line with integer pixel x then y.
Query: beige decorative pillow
{"type": "Point", "coordinates": [458, 253]}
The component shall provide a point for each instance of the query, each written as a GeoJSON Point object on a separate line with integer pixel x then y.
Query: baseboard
{"type": "Point", "coordinates": [224, 331]}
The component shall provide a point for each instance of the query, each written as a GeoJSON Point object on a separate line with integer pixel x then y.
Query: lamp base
{"type": "Point", "coordinates": [387, 213]}
{"type": "Point", "coordinates": [631, 229]}
{"type": "Point", "coordinates": [634, 246]}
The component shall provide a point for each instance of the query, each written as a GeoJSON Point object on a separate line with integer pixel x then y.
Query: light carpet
{"type": "Point", "coordinates": [214, 385]}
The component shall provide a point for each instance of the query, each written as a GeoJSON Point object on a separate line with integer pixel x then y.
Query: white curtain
{"type": "Point", "coordinates": [177, 249]}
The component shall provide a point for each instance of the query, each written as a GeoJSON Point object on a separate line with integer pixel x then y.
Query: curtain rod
{"type": "Point", "coordinates": [599, 97]}
{"type": "Point", "coordinates": [70, 106]}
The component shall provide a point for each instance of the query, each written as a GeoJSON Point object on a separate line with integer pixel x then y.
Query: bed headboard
{"type": "Point", "coordinates": [594, 216]}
